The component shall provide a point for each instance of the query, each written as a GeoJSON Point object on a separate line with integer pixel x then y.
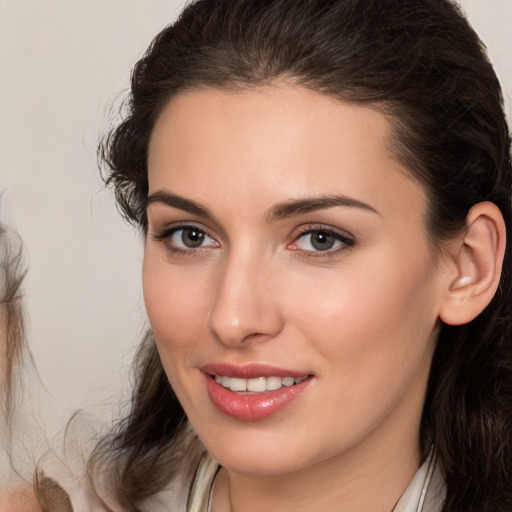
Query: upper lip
{"type": "Point", "coordinates": [250, 371]}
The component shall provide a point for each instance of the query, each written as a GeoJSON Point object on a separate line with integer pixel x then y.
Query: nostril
{"type": "Point", "coordinates": [243, 312]}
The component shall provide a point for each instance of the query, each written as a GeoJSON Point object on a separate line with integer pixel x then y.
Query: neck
{"type": "Point", "coordinates": [366, 482]}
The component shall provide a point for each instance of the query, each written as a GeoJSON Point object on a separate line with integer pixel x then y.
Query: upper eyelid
{"type": "Point", "coordinates": [346, 239]}
{"type": "Point", "coordinates": [175, 226]}
{"type": "Point", "coordinates": [164, 235]}
{"type": "Point", "coordinates": [306, 229]}
{"type": "Point", "coordinates": [213, 229]}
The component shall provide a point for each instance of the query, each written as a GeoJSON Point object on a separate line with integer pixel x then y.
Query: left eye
{"type": "Point", "coordinates": [319, 240]}
{"type": "Point", "coordinates": [190, 238]}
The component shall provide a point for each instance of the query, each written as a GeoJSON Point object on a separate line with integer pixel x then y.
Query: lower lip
{"type": "Point", "coordinates": [253, 407]}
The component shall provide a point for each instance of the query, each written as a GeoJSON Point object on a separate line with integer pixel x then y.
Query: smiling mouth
{"type": "Point", "coordinates": [253, 392]}
{"type": "Point", "coordinates": [258, 384]}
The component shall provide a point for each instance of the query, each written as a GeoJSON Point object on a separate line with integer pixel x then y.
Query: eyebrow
{"type": "Point", "coordinates": [179, 202]}
{"type": "Point", "coordinates": [277, 212]}
{"type": "Point", "coordinates": [302, 206]}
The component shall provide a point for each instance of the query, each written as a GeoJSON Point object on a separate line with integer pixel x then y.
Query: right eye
{"type": "Point", "coordinates": [190, 238]}
{"type": "Point", "coordinates": [185, 238]}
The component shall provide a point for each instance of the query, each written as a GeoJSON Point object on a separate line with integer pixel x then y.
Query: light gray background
{"type": "Point", "coordinates": [62, 64]}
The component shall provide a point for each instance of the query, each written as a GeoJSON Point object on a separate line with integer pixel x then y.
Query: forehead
{"type": "Point", "coordinates": [280, 113]}
{"type": "Point", "coordinates": [286, 140]}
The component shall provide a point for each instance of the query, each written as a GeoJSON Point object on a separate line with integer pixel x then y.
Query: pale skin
{"type": "Point", "coordinates": [19, 498]}
{"type": "Point", "coordinates": [360, 316]}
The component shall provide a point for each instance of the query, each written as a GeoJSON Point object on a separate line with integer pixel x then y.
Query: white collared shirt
{"type": "Point", "coordinates": [425, 492]}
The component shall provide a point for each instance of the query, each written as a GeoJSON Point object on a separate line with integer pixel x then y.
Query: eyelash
{"type": "Point", "coordinates": [166, 234]}
{"type": "Point", "coordinates": [346, 241]}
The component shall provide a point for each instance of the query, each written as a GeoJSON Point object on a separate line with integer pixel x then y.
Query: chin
{"type": "Point", "coordinates": [258, 453]}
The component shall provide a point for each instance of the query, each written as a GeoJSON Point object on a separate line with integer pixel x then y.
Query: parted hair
{"type": "Point", "coordinates": [419, 62]}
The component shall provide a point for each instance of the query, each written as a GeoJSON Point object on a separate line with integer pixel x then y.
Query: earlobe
{"type": "Point", "coordinates": [478, 260]}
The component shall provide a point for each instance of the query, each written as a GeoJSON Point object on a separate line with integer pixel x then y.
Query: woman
{"type": "Point", "coordinates": [17, 433]}
{"type": "Point", "coordinates": [325, 193]}
{"type": "Point", "coordinates": [16, 495]}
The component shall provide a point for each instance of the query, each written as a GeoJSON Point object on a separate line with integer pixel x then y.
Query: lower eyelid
{"type": "Point", "coordinates": [165, 236]}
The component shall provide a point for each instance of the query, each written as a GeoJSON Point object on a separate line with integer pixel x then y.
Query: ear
{"type": "Point", "coordinates": [478, 257]}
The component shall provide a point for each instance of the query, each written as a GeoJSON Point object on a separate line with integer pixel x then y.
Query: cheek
{"type": "Point", "coordinates": [176, 304]}
{"type": "Point", "coordinates": [373, 335]}
{"type": "Point", "coordinates": [175, 299]}
{"type": "Point", "coordinates": [373, 318]}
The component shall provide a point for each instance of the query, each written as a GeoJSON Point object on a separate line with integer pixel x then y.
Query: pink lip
{"type": "Point", "coordinates": [255, 407]}
{"type": "Point", "coordinates": [250, 371]}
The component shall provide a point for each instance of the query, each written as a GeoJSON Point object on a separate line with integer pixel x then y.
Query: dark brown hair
{"type": "Point", "coordinates": [421, 63]}
{"type": "Point", "coordinates": [13, 349]}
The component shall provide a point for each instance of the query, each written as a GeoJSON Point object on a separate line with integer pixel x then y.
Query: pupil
{"type": "Point", "coordinates": [322, 241]}
{"type": "Point", "coordinates": [192, 237]}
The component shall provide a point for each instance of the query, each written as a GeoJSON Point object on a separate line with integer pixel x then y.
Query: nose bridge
{"type": "Point", "coordinates": [243, 307]}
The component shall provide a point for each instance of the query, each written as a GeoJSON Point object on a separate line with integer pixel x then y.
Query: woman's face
{"type": "Point", "coordinates": [286, 245]}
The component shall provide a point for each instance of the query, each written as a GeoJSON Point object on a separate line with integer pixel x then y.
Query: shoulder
{"type": "Point", "coordinates": [19, 498]}
{"type": "Point", "coordinates": [182, 487]}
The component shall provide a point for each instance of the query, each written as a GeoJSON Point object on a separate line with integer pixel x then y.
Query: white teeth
{"type": "Point", "coordinates": [237, 384]}
{"type": "Point", "coordinates": [274, 383]}
{"type": "Point", "coordinates": [258, 384]}
{"type": "Point", "coordinates": [288, 381]}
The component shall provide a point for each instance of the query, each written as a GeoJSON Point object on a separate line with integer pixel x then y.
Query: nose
{"type": "Point", "coordinates": [245, 305]}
